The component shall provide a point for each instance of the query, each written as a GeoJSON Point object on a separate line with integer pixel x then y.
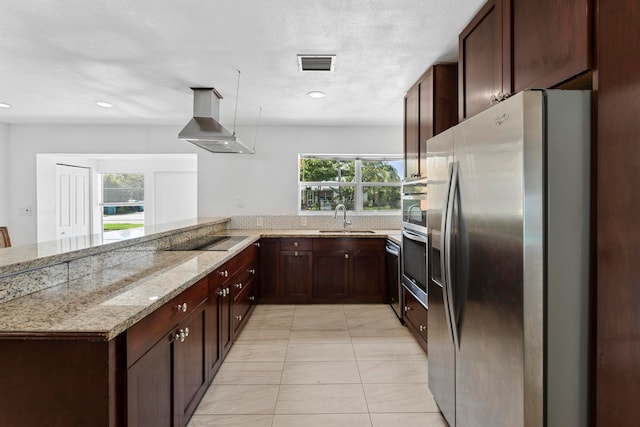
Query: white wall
{"type": "Point", "coordinates": [266, 182]}
{"type": "Point", "coordinates": [4, 176]}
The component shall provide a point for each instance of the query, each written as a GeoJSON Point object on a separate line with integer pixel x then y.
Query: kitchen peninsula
{"type": "Point", "coordinates": [131, 333]}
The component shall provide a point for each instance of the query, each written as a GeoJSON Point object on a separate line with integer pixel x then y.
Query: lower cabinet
{"type": "Point", "coordinates": [322, 270]}
{"type": "Point", "coordinates": [415, 317]}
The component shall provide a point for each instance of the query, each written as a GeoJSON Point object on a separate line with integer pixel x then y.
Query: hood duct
{"type": "Point", "coordinates": [204, 129]}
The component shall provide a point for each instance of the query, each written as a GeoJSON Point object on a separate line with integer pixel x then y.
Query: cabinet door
{"type": "Point", "coordinates": [411, 133]}
{"type": "Point", "coordinates": [295, 268]}
{"type": "Point", "coordinates": [190, 367]}
{"type": "Point", "coordinates": [149, 387]}
{"type": "Point", "coordinates": [213, 330]}
{"type": "Point", "coordinates": [367, 275]}
{"type": "Point", "coordinates": [415, 316]}
{"type": "Point", "coordinates": [545, 58]}
{"type": "Point", "coordinates": [224, 320]}
{"type": "Point", "coordinates": [484, 67]}
{"type": "Point", "coordinates": [269, 249]}
{"type": "Point", "coordinates": [331, 273]}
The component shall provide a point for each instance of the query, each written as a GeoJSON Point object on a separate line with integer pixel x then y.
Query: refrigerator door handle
{"type": "Point", "coordinates": [449, 285]}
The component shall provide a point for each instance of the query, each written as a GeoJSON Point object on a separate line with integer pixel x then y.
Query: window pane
{"type": "Point", "coordinates": [124, 194]}
{"type": "Point", "coordinates": [382, 198]}
{"type": "Point", "coordinates": [326, 198]}
{"type": "Point", "coordinates": [315, 170]}
{"type": "Point", "coordinates": [382, 170]}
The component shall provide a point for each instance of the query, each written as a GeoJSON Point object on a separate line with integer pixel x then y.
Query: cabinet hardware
{"type": "Point", "coordinates": [239, 317]}
{"type": "Point", "coordinates": [227, 291]}
{"type": "Point", "coordinates": [252, 298]}
{"type": "Point", "coordinates": [252, 270]}
{"type": "Point", "coordinates": [295, 253]}
{"type": "Point", "coordinates": [220, 292]}
{"type": "Point", "coordinates": [186, 332]}
{"type": "Point", "coordinates": [423, 328]}
{"type": "Point", "coordinates": [224, 273]}
{"type": "Point", "coordinates": [257, 244]}
{"type": "Point", "coordinates": [182, 307]}
{"type": "Point", "coordinates": [406, 308]}
{"type": "Point", "coordinates": [346, 256]}
{"type": "Point", "coordinates": [295, 244]}
{"type": "Point", "coordinates": [238, 285]}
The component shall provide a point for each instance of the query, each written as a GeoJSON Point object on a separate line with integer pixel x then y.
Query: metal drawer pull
{"type": "Point", "coordinates": [406, 308]}
{"type": "Point", "coordinates": [239, 317]}
{"type": "Point", "coordinates": [346, 256]}
{"type": "Point", "coordinates": [252, 298]}
{"type": "Point", "coordinates": [238, 285]}
{"type": "Point", "coordinates": [252, 270]}
{"type": "Point", "coordinates": [220, 292]}
{"type": "Point", "coordinates": [257, 244]}
{"type": "Point", "coordinates": [295, 253]}
{"type": "Point", "coordinates": [423, 328]}
{"type": "Point", "coordinates": [186, 332]}
{"type": "Point", "coordinates": [182, 307]}
{"type": "Point", "coordinates": [224, 273]}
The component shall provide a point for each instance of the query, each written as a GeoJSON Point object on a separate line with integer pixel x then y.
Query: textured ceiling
{"type": "Point", "coordinates": [57, 57]}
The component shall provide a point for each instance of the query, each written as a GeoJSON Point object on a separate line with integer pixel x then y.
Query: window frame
{"type": "Point", "coordinates": [357, 184]}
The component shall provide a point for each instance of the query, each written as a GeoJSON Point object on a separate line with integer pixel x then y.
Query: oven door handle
{"type": "Point", "coordinates": [393, 250]}
{"type": "Point", "coordinates": [415, 236]}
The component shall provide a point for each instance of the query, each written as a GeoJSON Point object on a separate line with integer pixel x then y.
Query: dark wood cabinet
{"type": "Point", "coordinates": [616, 293]}
{"type": "Point", "coordinates": [149, 387]}
{"type": "Point", "coordinates": [431, 107]}
{"type": "Point", "coordinates": [484, 59]}
{"type": "Point", "coordinates": [415, 317]}
{"type": "Point", "coordinates": [563, 50]}
{"type": "Point", "coordinates": [191, 373]}
{"type": "Point", "coordinates": [348, 269]}
{"type": "Point", "coordinates": [295, 273]}
{"type": "Point", "coordinates": [269, 260]}
{"type": "Point", "coordinates": [412, 132]}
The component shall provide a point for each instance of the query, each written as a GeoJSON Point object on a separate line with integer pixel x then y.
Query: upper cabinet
{"type": "Point", "coordinates": [513, 45]}
{"type": "Point", "coordinates": [430, 108]}
{"type": "Point", "coordinates": [484, 59]}
{"type": "Point", "coordinates": [563, 50]}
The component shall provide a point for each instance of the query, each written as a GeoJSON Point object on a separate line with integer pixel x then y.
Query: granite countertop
{"type": "Point", "coordinates": [105, 303]}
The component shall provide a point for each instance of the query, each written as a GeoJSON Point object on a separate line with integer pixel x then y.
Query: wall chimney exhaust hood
{"type": "Point", "coordinates": [204, 129]}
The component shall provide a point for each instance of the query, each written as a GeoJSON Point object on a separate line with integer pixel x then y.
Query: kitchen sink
{"type": "Point", "coordinates": [348, 231]}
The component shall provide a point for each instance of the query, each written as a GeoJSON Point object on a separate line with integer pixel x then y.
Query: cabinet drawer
{"type": "Point", "coordinates": [144, 334]}
{"type": "Point", "coordinates": [293, 244]}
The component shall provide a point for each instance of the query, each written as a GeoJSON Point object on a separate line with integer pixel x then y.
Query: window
{"type": "Point", "coordinates": [361, 183]}
{"type": "Point", "coordinates": [123, 201]}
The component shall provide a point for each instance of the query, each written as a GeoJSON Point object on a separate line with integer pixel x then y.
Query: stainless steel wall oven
{"type": "Point", "coordinates": [415, 239]}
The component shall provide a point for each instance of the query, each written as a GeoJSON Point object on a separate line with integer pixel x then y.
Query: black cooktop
{"type": "Point", "coordinates": [209, 243]}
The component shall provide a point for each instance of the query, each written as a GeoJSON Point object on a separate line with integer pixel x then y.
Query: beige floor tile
{"type": "Point", "coordinates": [320, 336]}
{"type": "Point", "coordinates": [274, 308]}
{"type": "Point", "coordinates": [408, 420]}
{"type": "Point", "coordinates": [322, 420]}
{"type": "Point", "coordinates": [392, 371]}
{"type": "Point", "coordinates": [231, 421]}
{"type": "Point", "coordinates": [319, 352]}
{"type": "Point", "coordinates": [399, 398]}
{"type": "Point", "coordinates": [260, 351]}
{"type": "Point", "coordinates": [249, 373]}
{"type": "Point", "coordinates": [321, 399]}
{"type": "Point", "coordinates": [381, 350]}
{"type": "Point", "coordinates": [398, 332]}
{"type": "Point", "coordinates": [320, 322]}
{"type": "Point", "coordinates": [275, 321]}
{"type": "Point", "coordinates": [320, 373]}
{"type": "Point", "coordinates": [239, 400]}
{"type": "Point", "coordinates": [327, 309]}
{"type": "Point", "coordinates": [251, 335]}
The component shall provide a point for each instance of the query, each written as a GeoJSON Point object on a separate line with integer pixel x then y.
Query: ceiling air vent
{"type": "Point", "coordinates": [316, 62]}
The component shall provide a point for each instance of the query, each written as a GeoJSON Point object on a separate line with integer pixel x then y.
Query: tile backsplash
{"type": "Point", "coordinates": [315, 222]}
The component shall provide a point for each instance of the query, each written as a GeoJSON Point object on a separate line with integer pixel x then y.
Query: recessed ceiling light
{"type": "Point", "coordinates": [104, 104]}
{"type": "Point", "coordinates": [3, 105]}
{"type": "Point", "coordinates": [316, 94]}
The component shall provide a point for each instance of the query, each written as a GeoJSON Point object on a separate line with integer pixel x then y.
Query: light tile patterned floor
{"type": "Point", "coordinates": [324, 366]}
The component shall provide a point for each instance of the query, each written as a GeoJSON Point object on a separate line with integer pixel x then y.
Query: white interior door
{"type": "Point", "coordinates": [73, 201]}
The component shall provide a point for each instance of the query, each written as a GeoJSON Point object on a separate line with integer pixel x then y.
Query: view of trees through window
{"type": "Point", "coordinates": [123, 201]}
{"type": "Point", "coordinates": [360, 183]}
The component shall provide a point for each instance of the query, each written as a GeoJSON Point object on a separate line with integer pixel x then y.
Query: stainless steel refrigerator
{"type": "Point", "coordinates": [508, 295]}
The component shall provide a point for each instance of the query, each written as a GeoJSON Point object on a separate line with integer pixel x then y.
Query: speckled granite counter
{"type": "Point", "coordinates": [108, 301]}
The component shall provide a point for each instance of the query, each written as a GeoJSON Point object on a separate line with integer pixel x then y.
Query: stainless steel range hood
{"type": "Point", "coordinates": [204, 129]}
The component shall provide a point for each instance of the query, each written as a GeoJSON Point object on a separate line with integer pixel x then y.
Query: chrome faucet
{"type": "Point", "coordinates": [344, 210]}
